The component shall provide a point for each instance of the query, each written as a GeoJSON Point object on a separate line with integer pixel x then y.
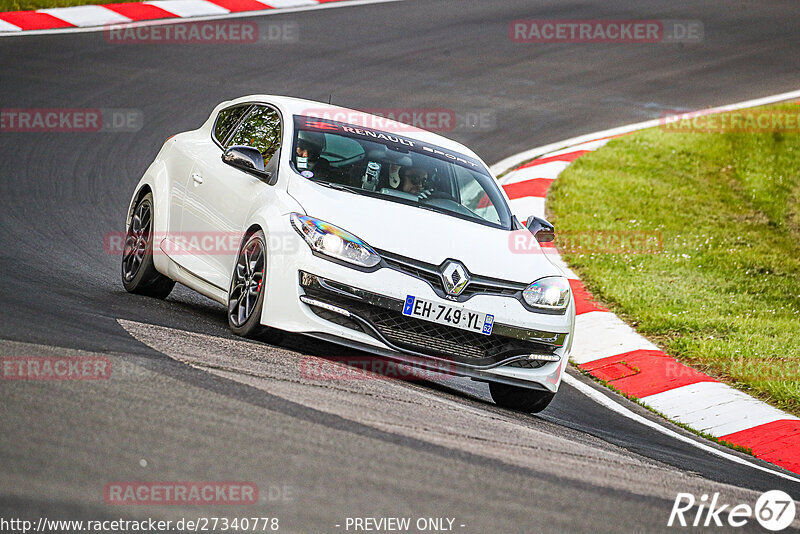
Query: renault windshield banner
{"type": "Point", "coordinates": [393, 141]}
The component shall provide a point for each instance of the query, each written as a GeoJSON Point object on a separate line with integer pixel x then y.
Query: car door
{"type": "Point", "coordinates": [219, 197]}
{"type": "Point", "coordinates": [179, 167]}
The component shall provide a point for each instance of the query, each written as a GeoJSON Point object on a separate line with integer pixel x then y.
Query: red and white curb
{"type": "Point", "coordinates": [610, 350]}
{"type": "Point", "coordinates": [155, 11]}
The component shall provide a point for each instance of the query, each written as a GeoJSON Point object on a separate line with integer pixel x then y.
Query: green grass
{"type": "Point", "coordinates": [724, 293]}
{"type": "Point", "coordinates": [28, 5]}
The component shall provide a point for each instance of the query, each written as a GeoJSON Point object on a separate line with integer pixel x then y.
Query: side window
{"type": "Point", "coordinates": [473, 195]}
{"type": "Point", "coordinates": [227, 121]}
{"type": "Point", "coordinates": [262, 130]}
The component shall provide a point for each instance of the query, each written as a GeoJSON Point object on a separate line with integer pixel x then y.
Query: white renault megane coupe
{"type": "Point", "coordinates": [349, 227]}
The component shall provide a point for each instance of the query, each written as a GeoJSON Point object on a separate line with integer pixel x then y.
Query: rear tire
{"type": "Point", "coordinates": [139, 274]}
{"type": "Point", "coordinates": [248, 287]}
{"type": "Point", "coordinates": [520, 399]}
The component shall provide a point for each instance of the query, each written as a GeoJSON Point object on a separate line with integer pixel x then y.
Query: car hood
{"type": "Point", "coordinates": [426, 235]}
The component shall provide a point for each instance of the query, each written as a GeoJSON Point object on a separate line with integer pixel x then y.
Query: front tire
{"type": "Point", "coordinates": [139, 274]}
{"type": "Point", "coordinates": [248, 287]}
{"type": "Point", "coordinates": [520, 399]}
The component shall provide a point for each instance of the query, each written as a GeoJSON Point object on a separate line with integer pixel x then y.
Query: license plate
{"type": "Point", "coordinates": [448, 315]}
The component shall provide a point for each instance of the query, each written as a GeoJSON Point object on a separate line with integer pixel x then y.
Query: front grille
{"type": "Point", "coordinates": [431, 338]}
{"type": "Point", "coordinates": [475, 288]}
{"type": "Point", "coordinates": [527, 364]}
{"type": "Point", "coordinates": [416, 335]}
{"type": "Point", "coordinates": [431, 274]}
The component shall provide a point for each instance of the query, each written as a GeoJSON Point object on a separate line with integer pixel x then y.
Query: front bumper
{"type": "Point", "coordinates": [381, 317]}
{"type": "Point", "coordinates": [373, 321]}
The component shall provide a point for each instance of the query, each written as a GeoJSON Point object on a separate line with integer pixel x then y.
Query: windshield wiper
{"type": "Point", "coordinates": [437, 209]}
{"type": "Point", "coordinates": [472, 217]}
{"type": "Point", "coordinates": [338, 187]}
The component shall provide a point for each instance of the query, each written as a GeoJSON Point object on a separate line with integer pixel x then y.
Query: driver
{"type": "Point", "coordinates": [309, 148]}
{"type": "Point", "coordinates": [412, 179]}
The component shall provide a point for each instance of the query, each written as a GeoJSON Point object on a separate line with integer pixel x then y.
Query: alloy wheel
{"type": "Point", "coordinates": [137, 239]}
{"type": "Point", "coordinates": [248, 278]}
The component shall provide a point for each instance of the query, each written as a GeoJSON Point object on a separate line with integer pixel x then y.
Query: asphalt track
{"type": "Point", "coordinates": [321, 452]}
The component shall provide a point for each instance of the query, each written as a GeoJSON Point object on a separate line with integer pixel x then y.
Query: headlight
{"type": "Point", "coordinates": [332, 241]}
{"type": "Point", "coordinates": [550, 293]}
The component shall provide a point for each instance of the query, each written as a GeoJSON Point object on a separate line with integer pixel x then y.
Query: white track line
{"type": "Point", "coordinates": [621, 410]}
{"type": "Point", "coordinates": [515, 160]}
{"type": "Point", "coordinates": [714, 408]}
{"type": "Point", "coordinates": [591, 145]}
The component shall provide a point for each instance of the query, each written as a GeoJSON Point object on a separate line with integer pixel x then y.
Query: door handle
{"type": "Point", "coordinates": [197, 178]}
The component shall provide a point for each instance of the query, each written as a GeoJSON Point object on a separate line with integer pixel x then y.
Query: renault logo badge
{"type": "Point", "coordinates": [454, 277]}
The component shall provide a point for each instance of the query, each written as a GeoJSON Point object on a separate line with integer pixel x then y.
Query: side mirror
{"type": "Point", "coordinates": [542, 230]}
{"type": "Point", "coordinates": [247, 159]}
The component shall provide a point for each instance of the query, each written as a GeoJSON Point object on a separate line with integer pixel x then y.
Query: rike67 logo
{"type": "Point", "coordinates": [774, 510]}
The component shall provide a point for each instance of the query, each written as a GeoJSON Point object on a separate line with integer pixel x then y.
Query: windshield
{"type": "Point", "coordinates": [397, 169]}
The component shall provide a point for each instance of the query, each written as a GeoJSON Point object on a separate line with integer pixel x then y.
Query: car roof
{"type": "Point", "coordinates": [298, 106]}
